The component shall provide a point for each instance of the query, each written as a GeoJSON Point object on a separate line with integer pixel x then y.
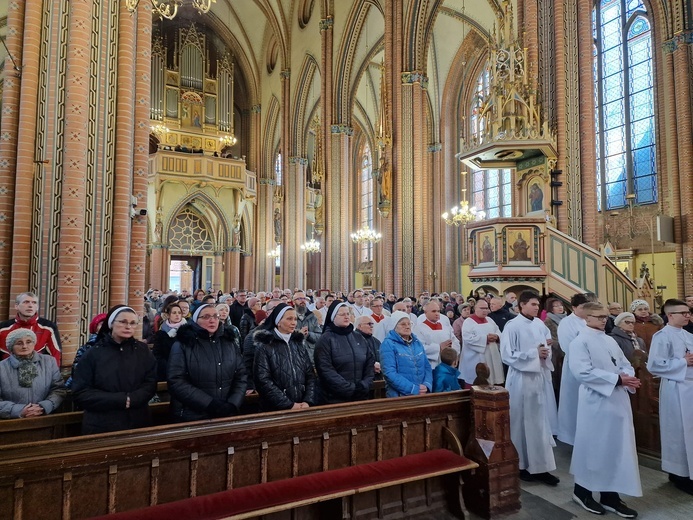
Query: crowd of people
{"type": "Point", "coordinates": [568, 375]}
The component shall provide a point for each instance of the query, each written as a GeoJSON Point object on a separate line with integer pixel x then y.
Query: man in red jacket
{"type": "Point", "coordinates": [47, 337]}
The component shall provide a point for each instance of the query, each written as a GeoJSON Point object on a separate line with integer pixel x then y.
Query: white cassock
{"type": "Point", "coordinates": [568, 330]}
{"type": "Point", "coordinates": [379, 328]}
{"type": "Point", "coordinates": [476, 350]}
{"type": "Point", "coordinates": [530, 429]}
{"type": "Point", "coordinates": [431, 339]}
{"type": "Point", "coordinates": [604, 453]}
{"type": "Point", "coordinates": [361, 311]}
{"type": "Point", "coordinates": [666, 360]}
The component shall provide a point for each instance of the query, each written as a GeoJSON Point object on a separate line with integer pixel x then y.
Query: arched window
{"type": "Point", "coordinates": [366, 202]}
{"type": "Point", "coordinates": [626, 153]}
{"type": "Point", "coordinates": [481, 92]}
{"type": "Point", "coordinates": [278, 169]}
{"type": "Point", "coordinates": [492, 192]}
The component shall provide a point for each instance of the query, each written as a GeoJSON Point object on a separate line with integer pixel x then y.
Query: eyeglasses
{"type": "Point", "coordinates": [629, 322]}
{"type": "Point", "coordinates": [209, 317]}
{"type": "Point", "coordinates": [602, 317]}
{"type": "Point", "coordinates": [126, 323]}
{"type": "Point", "coordinates": [371, 323]}
{"type": "Point", "coordinates": [682, 313]}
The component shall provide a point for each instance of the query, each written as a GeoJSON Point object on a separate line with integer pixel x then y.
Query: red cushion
{"type": "Point", "coordinates": [306, 487]}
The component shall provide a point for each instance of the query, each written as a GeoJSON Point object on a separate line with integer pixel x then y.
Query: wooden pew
{"type": "Point", "coordinates": [69, 423]}
{"type": "Point", "coordinates": [93, 475]}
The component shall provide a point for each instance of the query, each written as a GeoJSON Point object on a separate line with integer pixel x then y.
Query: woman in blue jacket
{"type": "Point", "coordinates": [403, 360]}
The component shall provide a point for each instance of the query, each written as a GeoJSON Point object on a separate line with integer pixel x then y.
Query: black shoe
{"type": "Point", "coordinates": [682, 483]}
{"type": "Point", "coordinates": [546, 478]}
{"type": "Point", "coordinates": [526, 476]}
{"type": "Point", "coordinates": [620, 508]}
{"type": "Point", "coordinates": [589, 504]}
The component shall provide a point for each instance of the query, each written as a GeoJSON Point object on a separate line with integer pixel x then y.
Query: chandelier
{"type": "Point", "coordinates": [228, 140]}
{"type": "Point", "coordinates": [462, 215]}
{"type": "Point", "coordinates": [275, 253]}
{"type": "Point", "coordinates": [160, 131]}
{"type": "Point", "coordinates": [169, 8]}
{"type": "Point", "coordinates": [366, 234]}
{"type": "Point", "coordinates": [312, 246]}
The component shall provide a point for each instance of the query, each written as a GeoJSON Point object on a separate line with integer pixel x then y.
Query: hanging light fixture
{"type": "Point", "coordinates": [169, 8]}
{"type": "Point", "coordinates": [275, 253]}
{"type": "Point", "coordinates": [366, 234]}
{"type": "Point", "coordinates": [160, 131]}
{"type": "Point", "coordinates": [228, 140]}
{"type": "Point", "coordinates": [311, 247]}
{"type": "Point", "coordinates": [462, 215]}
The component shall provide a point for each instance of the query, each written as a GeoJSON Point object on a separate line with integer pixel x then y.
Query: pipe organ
{"type": "Point", "coordinates": [192, 88]}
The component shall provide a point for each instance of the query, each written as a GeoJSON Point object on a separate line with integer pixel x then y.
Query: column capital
{"type": "Point", "coordinates": [679, 40]}
{"type": "Point", "coordinates": [298, 160]}
{"type": "Point", "coordinates": [342, 129]}
{"type": "Point", "coordinates": [285, 74]}
{"type": "Point", "coordinates": [264, 181]}
{"type": "Point", "coordinates": [326, 23]}
{"type": "Point", "coordinates": [409, 78]}
{"type": "Point", "coordinates": [256, 109]}
{"type": "Point", "coordinates": [435, 147]}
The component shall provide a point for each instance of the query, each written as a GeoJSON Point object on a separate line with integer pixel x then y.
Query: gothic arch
{"type": "Point", "coordinates": [269, 143]}
{"type": "Point", "coordinates": [220, 242]}
{"type": "Point", "coordinates": [305, 80]}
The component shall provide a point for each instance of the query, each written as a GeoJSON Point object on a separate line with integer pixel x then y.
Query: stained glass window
{"type": "Point", "coordinates": [624, 99]}
{"type": "Point", "coordinates": [188, 234]}
{"type": "Point", "coordinates": [492, 192]}
{"type": "Point", "coordinates": [278, 169]}
{"type": "Point", "coordinates": [366, 208]}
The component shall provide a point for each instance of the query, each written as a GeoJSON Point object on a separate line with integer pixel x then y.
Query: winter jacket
{"type": "Point", "coordinates": [446, 378]}
{"type": "Point", "coordinates": [310, 320]}
{"type": "Point", "coordinates": [345, 367]}
{"type": "Point", "coordinates": [625, 341]}
{"type": "Point", "coordinates": [47, 388]}
{"type": "Point", "coordinates": [163, 341]}
{"type": "Point", "coordinates": [283, 373]}
{"type": "Point", "coordinates": [47, 336]}
{"type": "Point", "coordinates": [405, 365]}
{"type": "Point", "coordinates": [236, 311]}
{"type": "Point", "coordinates": [106, 376]}
{"type": "Point", "coordinates": [206, 374]}
{"type": "Point", "coordinates": [247, 323]}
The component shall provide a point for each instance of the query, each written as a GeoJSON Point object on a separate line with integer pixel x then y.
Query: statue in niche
{"type": "Point", "coordinates": [277, 226]}
{"type": "Point", "coordinates": [236, 231]}
{"type": "Point", "coordinates": [385, 180]}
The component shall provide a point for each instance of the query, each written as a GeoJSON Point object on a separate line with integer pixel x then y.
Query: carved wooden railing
{"type": "Point", "coordinates": [87, 476]}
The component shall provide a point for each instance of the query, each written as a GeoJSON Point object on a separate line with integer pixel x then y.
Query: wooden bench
{"type": "Point", "coordinates": [331, 489]}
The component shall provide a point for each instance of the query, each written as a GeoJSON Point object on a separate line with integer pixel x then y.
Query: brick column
{"type": "Point", "coordinates": [326, 109]}
{"type": "Point", "coordinates": [138, 238]}
{"type": "Point", "coordinates": [265, 234]}
{"type": "Point", "coordinates": [295, 220]}
{"type": "Point", "coordinates": [495, 486]}
{"type": "Point", "coordinates": [337, 196]}
{"type": "Point", "coordinates": [9, 129]}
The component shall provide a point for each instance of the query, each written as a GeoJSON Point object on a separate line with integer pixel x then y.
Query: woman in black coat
{"type": "Point", "coordinates": [283, 373]}
{"type": "Point", "coordinates": [115, 378]}
{"type": "Point", "coordinates": [206, 374]}
{"type": "Point", "coordinates": [166, 337]}
{"type": "Point", "coordinates": [343, 360]}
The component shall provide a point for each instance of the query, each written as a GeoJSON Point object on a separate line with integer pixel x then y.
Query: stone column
{"type": "Point", "coordinates": [217, 274]}
{"type": "Point", "coordinates": [265, 234]}
{"type": "Point", "coordinates": [494, 488]}
{"type": "Point", "coordinates": [233, 269]}
{"type": "Point", "coordinates": [159, 262]}
{"type": "Point", "coordinates": [439, 281]}
{"type": "Point", "coordinates": [337, 217]}
{"type": "Point", "coordinates": [295, 223]}
{"type": "Point", "coordinates": [326, 96]}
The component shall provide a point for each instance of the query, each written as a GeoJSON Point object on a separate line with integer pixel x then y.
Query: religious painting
{"type": "Point", "coordinates": [191, 110]}
{"type": "Point", "coordinates": [535, 194]}
{"type": "Point", "coordinates": [486, 243]}
{"type": "Point", "coordinates": [519, 244]}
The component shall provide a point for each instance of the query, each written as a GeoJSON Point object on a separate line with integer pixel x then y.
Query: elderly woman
{"type": "Point", "coordinates": [30, 383]}
{"type": "Point", "coordinates": [223, 310]}
{"type": "Point", "coordinates": [344, 363]}
{"type": "Point", "coordinates": [283, 372]}
{"type": "Point", "coordinates": [403, 360]}
{"type": "Point", "coordinates": [116, 378]}
{"type": "Point", "coordinates": [646, 323]}
{"type": "Point", "coordinates": [624, 334]}
{"type": "Point", "coordinates": [206, 374]}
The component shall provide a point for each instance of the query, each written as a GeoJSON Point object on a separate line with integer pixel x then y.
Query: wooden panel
{"type": "Point", "coordinates": [557, 257]}
{"type": "Point", "coordinates": [574, 263]}
{"type": "Point", "coordinates": [590, 279]}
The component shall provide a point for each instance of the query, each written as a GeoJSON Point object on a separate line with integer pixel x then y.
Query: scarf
{"type": "Point", "coordinates": [175, 326]}
{"type": "Point", "coordinates": [434, 326]}
{"type": "Point", "coordinates": [27, 370]}
{"type": "Point", "coordinates": [556, 318]}
{"type": "Point", "coordinates": [377, 318]}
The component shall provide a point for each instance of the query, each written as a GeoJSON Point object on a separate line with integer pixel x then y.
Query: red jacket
{"type": "Point", "coordinates": [47, 337]}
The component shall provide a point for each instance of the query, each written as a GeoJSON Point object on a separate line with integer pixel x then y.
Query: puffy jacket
{"type": "Point", "coordinates": [107, 375]}
{"type": "Point", "coordinates": [345, 367]}
{"type": "Point", "coordinates": [247, 323]}
{"type": "Point", "coordinates": [404, 365]}
{"type": "Point", "coordinates": [163, 341]}
{"type": "Point", "coordinates": [283, 373]}
{"type": "Point", "coordinates": [206, 374]}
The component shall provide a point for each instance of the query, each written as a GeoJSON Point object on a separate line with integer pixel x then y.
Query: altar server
{"type": "Point", "coordinates": [435, 334]}
{"type": "Point", "coordinates": [525, 349]}
{"type": "Point", "coordinates": [604, 454]}
{"type": "Point", "coordinates": [671, 358]}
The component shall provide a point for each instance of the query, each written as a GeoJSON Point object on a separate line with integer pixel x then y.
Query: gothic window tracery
{"type": "Point", "coordinates": [624, 98]}
{"type": "Point", "coordinates": [188, 233]}
{"type": "Point", "coordinates": [366, 201]}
